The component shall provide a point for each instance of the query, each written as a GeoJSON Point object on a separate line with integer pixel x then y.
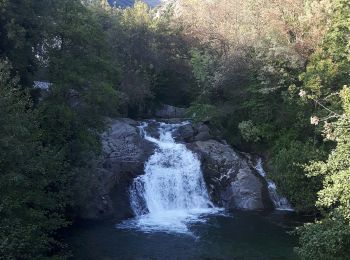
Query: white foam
{"type": "Point", "coordinates": [280, 202]}
{"type": "Point", "coordinates": [171, 194]}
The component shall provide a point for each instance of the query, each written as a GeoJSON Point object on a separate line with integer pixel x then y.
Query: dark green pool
{"type": "Point", "coordinates": [238, 235]}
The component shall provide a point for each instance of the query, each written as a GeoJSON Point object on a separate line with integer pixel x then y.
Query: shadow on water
{"type": "Point", "coordinates": [236, 235]}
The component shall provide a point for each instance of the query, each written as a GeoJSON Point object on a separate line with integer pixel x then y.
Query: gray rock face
{"type": "Point", "coordinates": [152, 129]}
{"type": "Point", "coordinates": [167, 111]}
{"type": "Point", "coordinates": [232, 182]}
{"type": "Point", "coordinates": [203, 133]}
{"type": "Point", "coordinates": [124, 154]}
{"type": "Point", "coordinates": [184, 133]}
{"type": "Point", "coordinates": [230, 177]}
{"type": "Point", "coordinates": [192, 132]}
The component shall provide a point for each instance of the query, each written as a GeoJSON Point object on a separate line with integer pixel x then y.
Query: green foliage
{"type": "Point", "coordinates": [84, 82]}
{"type": "Point", "coordinates": [153, 57]}
{"type": "Point", "coordinates": [328, 68]}
{"type": "Point", "coordinates": [202, 112]}
{"type": "Point", "coordinates": [32, 184]}
{"type": "Point", "coordinates": [249, 131]}
{"type": "Point", "coordinates": [45, 148]}
{"type": "Point", "coordinates": [326, 74]}
{"type": "Point", "coordinates": [201, 63]}
{"type": "Point", "coordinates": [202, 67]}
{"type": "Point", "coordinates": [287, 162]}
{"type": "Point", "coordinates": [279, 67]}
{"type": "Point", "coordinates": [334, 230]}
{"type": "Point", "coordinates": [335, 172]}
{"type": "Point", "coordinates": [255, 87]}
{"type": "Point", "coordinates": [244, 79]}
{"type": "Point", "coordinates": [255, 91]}
{"type": "Point", "coordinates": [326, 239]}
{"type": "Point", "coordinates": [21, 24]}
{"type": "Point", "coordinates": [97, 59]}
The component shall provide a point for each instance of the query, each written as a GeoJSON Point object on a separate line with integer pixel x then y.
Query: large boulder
{"type": "Point", "coordinates": [166, 111]}
{"type": "Point", "coordinates": [231, 180]}
{"type": "Point", "coordinates": [192, 132]}
{"type": "Point", "coordinates": [184, 133]}
{"type": "Point", "coordinates": [203, 133]}
{"type": "Point", "coordinates": [123, 158]}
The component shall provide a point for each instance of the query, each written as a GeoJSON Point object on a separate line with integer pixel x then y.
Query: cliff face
{"type": "Point", "coordinates": [230, 177]}
{"type": "Point", "coordinates": [124, 154]}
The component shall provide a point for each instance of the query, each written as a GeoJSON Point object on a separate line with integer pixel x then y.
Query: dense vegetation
{"type": "Point", "coordinates": [99, 62]}
{"type": "Point", "coordinates": [271, 75]}
{"type": "Point", "coordinates": [275, 75]}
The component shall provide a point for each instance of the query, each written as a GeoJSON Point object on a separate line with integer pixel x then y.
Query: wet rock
{"type": "Point", "coordinates": [166, 111]}
{"type": "Point", "coordinates": [203, 133]}
{"type": "Point", "coordinates": [203, 136]}
{"type": "Point", "coordinates": [123, 158]}
{"type": "Point", "coordinates": [232, 182]}
{"type": "Point", "coordinates": [172, 120]}
{"type": "Point", "coordinates": [230, 176]}
{"type": "Point", "coordinates": [152, 129]}
{"type": "Point", "coordinates": [184, 133]}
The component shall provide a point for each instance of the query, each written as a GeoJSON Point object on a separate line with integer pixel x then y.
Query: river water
{"type": "Point", "coordinates": [236, 235]}
{"type": "Point", "coordinates": [172, 192]}
{"type": "Point", "coordinates": [175, 219]}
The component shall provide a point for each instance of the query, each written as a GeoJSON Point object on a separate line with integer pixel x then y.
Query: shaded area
{"type": "Point", "coordinates": [129, 3]}
{"type": "Point", "coordinates": [241, 235]}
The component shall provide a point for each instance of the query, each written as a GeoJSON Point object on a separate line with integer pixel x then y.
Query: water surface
{"type": "Point", "coordinates": [238, 235]}
{"type": "Point", "coordinates": [175, 219]}
{"type": "Point", "coordinates": [172, 192]}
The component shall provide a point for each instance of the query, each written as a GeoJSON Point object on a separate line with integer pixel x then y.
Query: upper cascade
{"type": "Point", "coordinates": [172, 192]}
{"type": "Point", "coordinates": [149, 169]}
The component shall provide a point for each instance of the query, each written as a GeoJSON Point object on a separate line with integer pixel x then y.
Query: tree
{"type": "Point", "coordinates": [22, 31]}
{"type": "Point", "coordinates": [329, 238]}
{"type": "Point", "coordinates": [324, 79]}
{"type": "Point", "coordinates": [32, 184]}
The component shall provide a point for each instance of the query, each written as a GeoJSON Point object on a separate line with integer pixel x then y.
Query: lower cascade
{"type": "Point", "coordinates": [172, 193]}
{"type": "Point", "coordinates": [279, 202]}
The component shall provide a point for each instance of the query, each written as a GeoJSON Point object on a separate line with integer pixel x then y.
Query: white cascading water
{"type": "Point", "coordinates": [280, 202]}
{"type": "Point", "coordinates": [172, 193]}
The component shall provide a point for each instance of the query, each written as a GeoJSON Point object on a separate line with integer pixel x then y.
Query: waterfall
{"type": "Point", "coordinates": [172, 192]}
{"type": "Point", "coordinates": [280, 202]}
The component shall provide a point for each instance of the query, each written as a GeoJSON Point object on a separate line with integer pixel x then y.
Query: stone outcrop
{"type": "Point", "coordinates": [230, 176]}
{"type": "Point", "coordinates": [231, 180]}
{"type": "Point", "coordinates": [124, 154]}
{"type": "Point", "coordinates": [203, 133]}
{"type": "Point", "coordinates": [166, 111]}
{"type": "Point", "coordinates": [192, 132]}
{"type": "Point", "coordinates": [184, 133]}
